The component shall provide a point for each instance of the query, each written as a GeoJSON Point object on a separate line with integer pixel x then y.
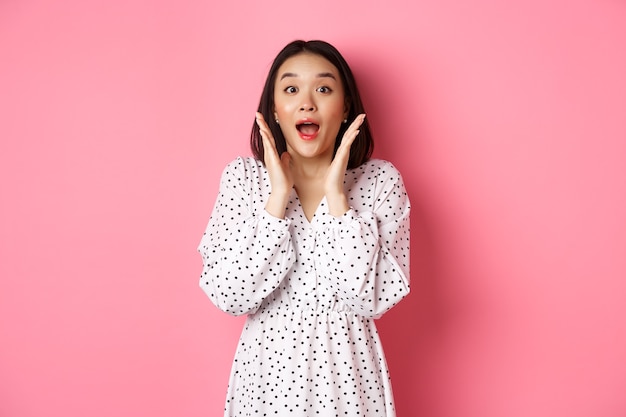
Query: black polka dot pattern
{"type": "Point", "coordinates": [311, 291]}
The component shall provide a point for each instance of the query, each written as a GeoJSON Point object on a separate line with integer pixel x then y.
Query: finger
{"type": "Point", "coordinates": [263, 127]}
{"type": "Point", "coordinates": [285, 160]}
{"type": "Point", "coordinates": [267, 138]}
{"type": "Point", "coordinates": [353, 130]}
{"type": "Point", "coordinates": [357, 122]}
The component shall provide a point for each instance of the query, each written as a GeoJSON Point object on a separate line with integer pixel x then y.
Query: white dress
{"type": "Point", "coordinates": [311, 291]}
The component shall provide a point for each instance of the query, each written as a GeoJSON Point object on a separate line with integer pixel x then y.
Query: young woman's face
{"type": "Point", "coordinates": [310, 105]}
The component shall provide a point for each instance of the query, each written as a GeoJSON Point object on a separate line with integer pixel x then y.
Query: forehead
{"type": "Point", "coordinates": [306, 64]}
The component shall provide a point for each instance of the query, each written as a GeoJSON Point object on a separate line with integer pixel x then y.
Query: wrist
{"type": "Point", "coordinates": [277, 203]}
{"type": "Point", "coordinates": [337, 204]}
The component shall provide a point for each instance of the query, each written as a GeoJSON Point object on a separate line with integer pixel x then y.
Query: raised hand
{"type": "Point", "coordinates": [278, 169]}
{"type": "Point", "coordinates": [333, 183]}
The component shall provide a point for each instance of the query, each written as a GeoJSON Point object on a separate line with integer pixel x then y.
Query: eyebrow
{"type": "Point", "coordinates": [320, 75]}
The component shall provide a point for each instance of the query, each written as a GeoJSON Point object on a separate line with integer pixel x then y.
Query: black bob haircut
{"type": "Point", "coordinates": [362, 147]}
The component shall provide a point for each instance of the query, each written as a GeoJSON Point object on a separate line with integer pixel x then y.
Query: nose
{"type": "Point", "coordinates": [307, 104]}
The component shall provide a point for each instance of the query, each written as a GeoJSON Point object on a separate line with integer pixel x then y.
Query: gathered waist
{"type": "Point", "coordinates": [283, 312]}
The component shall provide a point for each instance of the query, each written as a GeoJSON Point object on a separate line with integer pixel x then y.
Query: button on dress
{"type": "Point", "coordinates": [311, 292]}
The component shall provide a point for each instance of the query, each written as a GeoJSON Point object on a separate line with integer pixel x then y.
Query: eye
{"type": "Point", "coordinates": [324, 90]}
{"type": "Point", "coordinates": [290, 90]}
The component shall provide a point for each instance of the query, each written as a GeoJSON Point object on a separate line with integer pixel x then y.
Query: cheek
{"type": "Point", "coordinates": [339, 107]}
{"type": "Point", "coordinates": [282, 106]}
{"type": "Point", "coordinates": [337, 114]}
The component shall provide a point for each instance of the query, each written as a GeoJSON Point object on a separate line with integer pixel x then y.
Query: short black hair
{"type": "Point", "coordinates": [362, 147]}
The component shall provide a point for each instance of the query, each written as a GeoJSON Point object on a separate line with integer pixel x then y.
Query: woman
{"type": "Point", "coordinates": [310, 239]}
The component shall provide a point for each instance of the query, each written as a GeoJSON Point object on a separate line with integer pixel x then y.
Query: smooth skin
{"type": "Point", "coordinates": [308, 87]}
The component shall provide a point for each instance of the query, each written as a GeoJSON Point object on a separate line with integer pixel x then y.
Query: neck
{"type": "Point", "coordinates": [310, 168]}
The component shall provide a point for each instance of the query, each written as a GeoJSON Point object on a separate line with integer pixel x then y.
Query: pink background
{"type": "Point", "coordinates": [507, 119]}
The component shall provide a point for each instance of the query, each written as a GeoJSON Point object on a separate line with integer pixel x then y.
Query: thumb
{"type": "Point", "coordinates": [285, 159]}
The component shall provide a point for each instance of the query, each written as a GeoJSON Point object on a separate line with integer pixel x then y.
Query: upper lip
{"type": "Point", "coordinates": [307, 120]}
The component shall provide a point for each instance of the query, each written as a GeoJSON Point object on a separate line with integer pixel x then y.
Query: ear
{"type": "Point", "coordinates": [346, 107]}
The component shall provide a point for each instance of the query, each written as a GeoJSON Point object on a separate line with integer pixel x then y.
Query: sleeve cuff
{"type": "Point", "coordinates": [273, 223]}
{"type": "Point", "coordinates": [345, 220]}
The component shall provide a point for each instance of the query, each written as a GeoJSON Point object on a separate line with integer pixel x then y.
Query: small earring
{"type": "Point", "coordinates": [276, 121]}
{"type": "Point", "coordinates": [345, 120]}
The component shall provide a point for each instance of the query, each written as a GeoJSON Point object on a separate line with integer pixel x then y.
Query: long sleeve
{"type": "Point", "coordinates": [364, 257]}
{"type": "Point", "coordinates": [246, 252]}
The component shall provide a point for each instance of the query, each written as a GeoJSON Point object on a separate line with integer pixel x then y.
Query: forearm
{"type": "Point", "coordinates": [247, 265]}
{"type": "Point", "coordinates": [277, 204]}
{"type": "Point", "coordinates": [366, 267]}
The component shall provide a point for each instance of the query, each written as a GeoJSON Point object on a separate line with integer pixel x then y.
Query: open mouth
{"type": "Point", "coordinates": [307, 128]}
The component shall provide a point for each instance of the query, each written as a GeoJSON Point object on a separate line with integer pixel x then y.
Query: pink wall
{"type": "Point", "coordinates": [506, 118]}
